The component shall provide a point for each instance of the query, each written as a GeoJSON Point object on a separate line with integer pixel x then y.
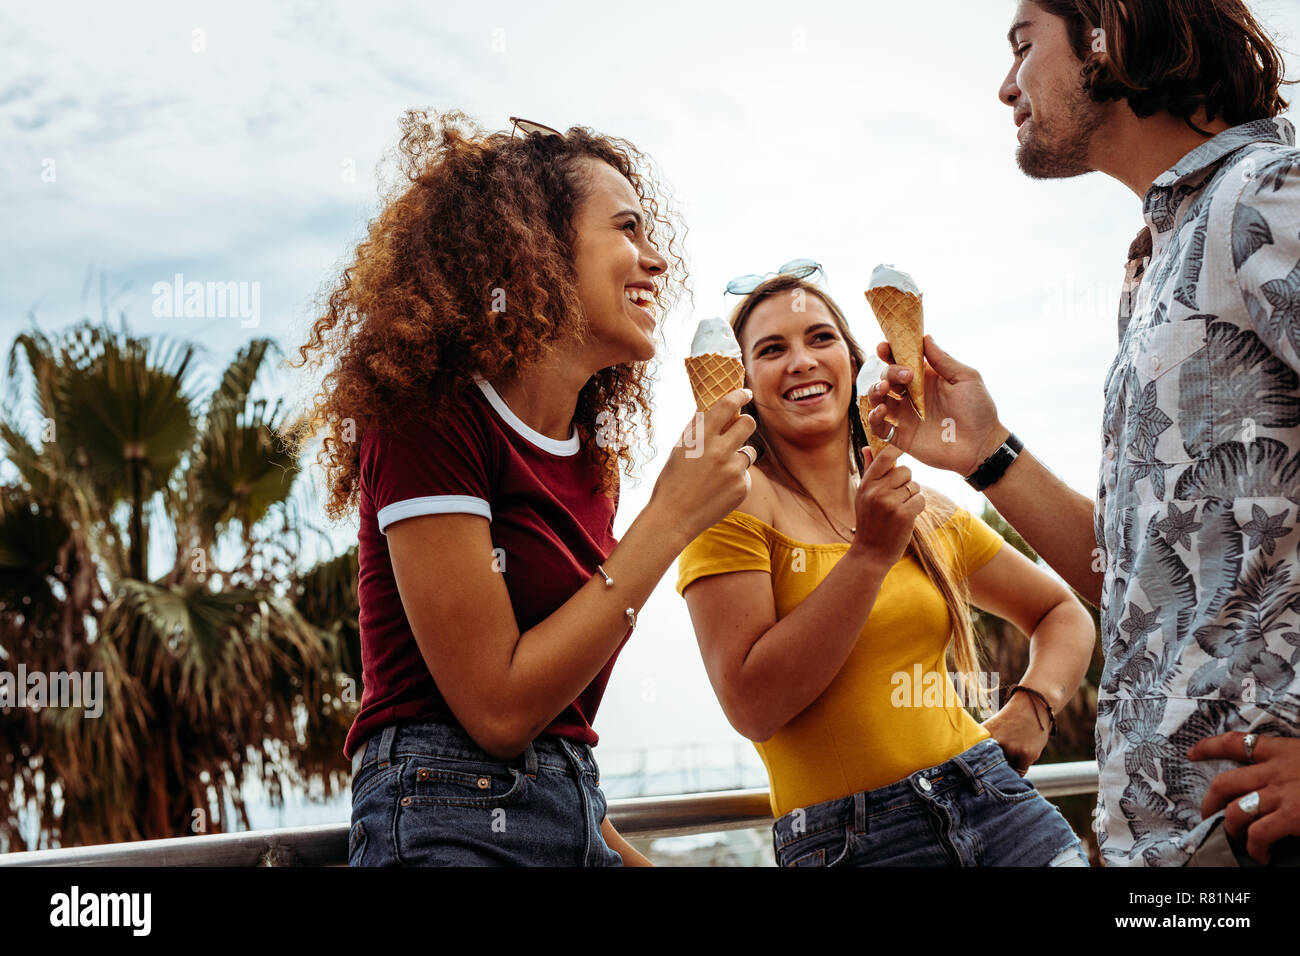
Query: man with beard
{"type": "Point", "coordinates": [1192, 547]}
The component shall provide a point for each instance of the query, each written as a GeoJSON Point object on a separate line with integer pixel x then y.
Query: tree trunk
{"type": "Point", "coordinates": [139, 547]}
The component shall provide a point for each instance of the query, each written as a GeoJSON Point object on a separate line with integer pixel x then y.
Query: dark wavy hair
{"type": "Point", "coordinates": [469, 268]}
{"type": "Point", "coordinates": [1176, 56]}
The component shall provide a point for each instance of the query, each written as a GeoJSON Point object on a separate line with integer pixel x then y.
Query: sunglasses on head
{"type": "Point", "coordinates": [798, 268]}
{"type": "Point", "coordinates": [528, 126]}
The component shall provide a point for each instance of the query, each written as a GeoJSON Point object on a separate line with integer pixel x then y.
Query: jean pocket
{"type": "Point", "coordinates": [370, 778]}
{"type": "Point", "coordinates": [429, 782]}
{"type": "Point", "coordinates": [1006, 785]}
{"type": "Point", "coordinates": [828, 848]}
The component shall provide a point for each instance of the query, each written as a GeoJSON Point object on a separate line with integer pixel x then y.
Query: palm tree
{"type": "Point", "coordinates": [147, 537]}
{"type": "Point", "coordinates": [1007, 654]}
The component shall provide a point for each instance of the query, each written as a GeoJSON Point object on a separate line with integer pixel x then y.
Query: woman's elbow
{"type": "Point", "coordinates": [748, 720]}
{"type": "Point", "coordinates": [753, 732]}
{"type": "Point", "coordinates": [1081, 619]}
{"type": "Point", "coordinates": [500, 735]}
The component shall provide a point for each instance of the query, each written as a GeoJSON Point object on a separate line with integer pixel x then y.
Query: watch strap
{"type": "Point", "coordinates": [995, 466]}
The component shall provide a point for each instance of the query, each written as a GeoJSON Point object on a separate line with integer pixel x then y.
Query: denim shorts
{"type": "Point", "coordinates": [425, 794]}
{"type": "Point", "coordinates": [971, 810]}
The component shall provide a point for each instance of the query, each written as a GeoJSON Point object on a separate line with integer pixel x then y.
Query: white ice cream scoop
{"type": "Point", "coordinates": [887, 275]}
{"type": "Point", "coordinates": [869, 374]}
{"type": "Point", "coordinates": [714, 337]}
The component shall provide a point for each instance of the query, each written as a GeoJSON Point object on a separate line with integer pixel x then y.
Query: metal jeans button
{"type": "Point", "coordinates": [925, 784]}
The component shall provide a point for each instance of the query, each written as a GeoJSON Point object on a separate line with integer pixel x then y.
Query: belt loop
{"type": "Point", "coordinates": [976, 782]}
{"type": "Point", "coordinates": [860, 812]}
{"type": "Point", "coordinates": [530, 760]}
{"type": "Point", "coordinates": [386, 744]}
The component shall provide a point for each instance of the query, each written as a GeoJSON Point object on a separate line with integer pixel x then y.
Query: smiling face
{"type": "Point", "coordinates": [798, 366]}
{"type": "Point", "coordinates": [1057, 120]}
{"type": "Point", "coordinates": [616, 268]}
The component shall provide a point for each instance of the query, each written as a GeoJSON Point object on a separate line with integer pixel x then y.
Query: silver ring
{"type": "Point", "coordinates": [744, 450]}
{"type": "Point", "coordinates": [1249, 804]}
{"type": "Point", "coordinates": [893, 431]}
{"type": "Point", "coordinates": [1249, 743]}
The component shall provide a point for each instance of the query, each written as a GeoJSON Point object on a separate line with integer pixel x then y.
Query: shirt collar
{"type": "Point", "coordinates": [1275, 130]}
{"type": "Point", "coordinates": [1172, 188]}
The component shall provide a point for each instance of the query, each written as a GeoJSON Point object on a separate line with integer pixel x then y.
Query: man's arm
{"type": "Point", "coordinates": [1054, 519]}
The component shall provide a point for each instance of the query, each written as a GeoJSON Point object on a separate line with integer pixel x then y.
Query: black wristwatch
{"type": "Point", "coordinates": [996, 464]}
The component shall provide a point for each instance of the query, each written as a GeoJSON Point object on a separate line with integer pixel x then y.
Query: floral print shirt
{"type": "Point", "coordinates": [1196, 516]}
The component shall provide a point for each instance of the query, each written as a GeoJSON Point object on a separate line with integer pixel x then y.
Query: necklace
{"type": "Point", "coordinates": [798, 496]}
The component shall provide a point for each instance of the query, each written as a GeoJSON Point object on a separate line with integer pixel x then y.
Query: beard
{"type": "Point", "coordinates": [1059, 147]}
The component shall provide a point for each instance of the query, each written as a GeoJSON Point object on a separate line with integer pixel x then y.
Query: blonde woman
{"type": "Point", "coordinates": [822, 601]}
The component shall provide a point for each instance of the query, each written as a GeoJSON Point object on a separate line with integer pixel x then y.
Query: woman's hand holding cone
{"type": "Point", "coordinates": [887, 504]}
{"type": "Point", "coordinates": [707, 474]}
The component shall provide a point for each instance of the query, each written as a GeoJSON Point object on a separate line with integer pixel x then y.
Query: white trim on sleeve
{"type": "Point", "coordinates": [432, 505]}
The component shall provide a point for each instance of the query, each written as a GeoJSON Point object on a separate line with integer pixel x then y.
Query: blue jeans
{"type": "Point", "coordinates": [972, 810]}
{"type": "Point", "coordinates": [425, 794]}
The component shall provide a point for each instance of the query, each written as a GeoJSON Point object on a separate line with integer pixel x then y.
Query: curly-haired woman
{"type": "Point", "coordinates": [486, 355]}
{"type": "Point", "coordinates": [825, 605]}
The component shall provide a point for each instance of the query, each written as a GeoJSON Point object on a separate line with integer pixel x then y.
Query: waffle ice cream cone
{"type": "Point", "coordinates": [868, 377]}
{"type": "Point", "coordinates": [896, 301]}
{"type": "Point", "coordinates": [713, 376]}
{"type": "Point", "coordinates": [714, 365]}
{"type": "Point", "coordinates": [877, 444]}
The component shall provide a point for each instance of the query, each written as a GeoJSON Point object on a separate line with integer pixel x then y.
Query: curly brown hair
{"type": "Point", "coordinates": [468, 268]}
{"type": "Point", "coordinates": [1176, 55]}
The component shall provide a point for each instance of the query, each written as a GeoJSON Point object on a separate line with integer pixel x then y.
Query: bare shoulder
{"type": "Point", "coordinates": [938, 504]}
{"type": "Point", "coordinates": [761, 500]}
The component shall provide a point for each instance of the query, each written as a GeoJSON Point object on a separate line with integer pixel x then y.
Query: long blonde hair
{"type": "Point", "coordinates": [923, 546]}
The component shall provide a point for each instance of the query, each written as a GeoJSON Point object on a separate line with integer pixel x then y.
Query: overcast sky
{"type": "Point", "coordinates": [239, 142]}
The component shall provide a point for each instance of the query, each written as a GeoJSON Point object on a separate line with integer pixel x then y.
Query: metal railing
{"type": "Point", "coordinates": [326, 844]}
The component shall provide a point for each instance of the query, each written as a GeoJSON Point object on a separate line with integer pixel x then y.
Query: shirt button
{"type": "Point", "coordinates": [1155, 363]}
{"type": "Point", "coordinates": [925, 784]}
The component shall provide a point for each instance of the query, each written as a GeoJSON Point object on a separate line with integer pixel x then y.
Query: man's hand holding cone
{"type": "Point", "coordinates": [961, 427]}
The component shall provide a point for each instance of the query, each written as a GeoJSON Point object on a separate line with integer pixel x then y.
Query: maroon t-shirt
{"type": "Point", "coordinates": [548, 518]}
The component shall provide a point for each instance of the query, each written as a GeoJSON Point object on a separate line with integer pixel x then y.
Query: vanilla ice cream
{"type": "Point", "coordinates": [886, 275]}
{"type": "Point", "coordinates": [714, 337]}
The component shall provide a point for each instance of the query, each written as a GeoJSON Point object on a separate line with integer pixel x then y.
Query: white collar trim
{"type": "Point", "coordinates": [545, 443]}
